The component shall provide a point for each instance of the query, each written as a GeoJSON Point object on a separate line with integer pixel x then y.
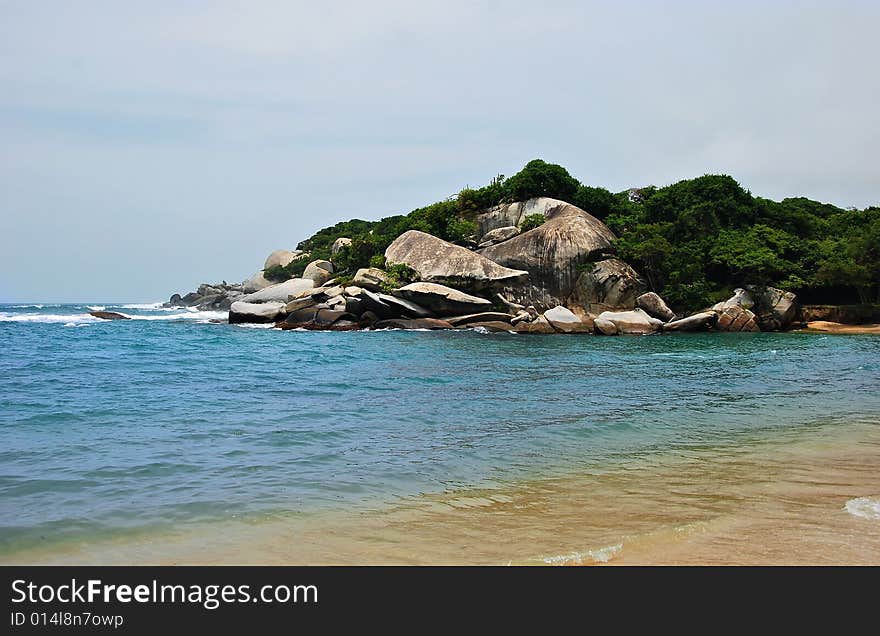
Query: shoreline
{"type": "Point", "coordinates": [824, 326]}
{"type": "Point", "coordinates": [780, 500]}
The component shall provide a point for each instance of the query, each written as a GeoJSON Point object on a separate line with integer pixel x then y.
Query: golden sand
{"type": "Point", "coordinates": [836, 327]}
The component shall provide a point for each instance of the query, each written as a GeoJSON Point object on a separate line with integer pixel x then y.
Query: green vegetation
{"type": "Point", "coordinates": [694, 241]}
{"type": "Point", "coordinates": [531, 222]}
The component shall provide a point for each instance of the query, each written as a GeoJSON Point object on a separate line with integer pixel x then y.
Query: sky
{"type": "Point", "coordinates": [146, 147]}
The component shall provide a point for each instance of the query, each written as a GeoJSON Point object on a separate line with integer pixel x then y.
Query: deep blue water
{"type": "Point", "coordinates": [109, 427]}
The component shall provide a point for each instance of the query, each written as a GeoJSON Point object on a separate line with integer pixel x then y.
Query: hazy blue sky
{"type": "Point", "coordinates": [149, 146]}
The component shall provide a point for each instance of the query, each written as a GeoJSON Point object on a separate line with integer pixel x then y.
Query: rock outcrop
{"type": "Point", "coordinates": [551, 253]}
{"type": "Point", "coordinates": [370, 278]}
{"type": "Point", "coordinates": [736, 318]}
{"type": "Point", "coordinates": [109, 315]}
{"type": "Point", "coordinates": [628, 322]}
{"type": "Point", "coordinates": [280, 292]}
{"type": "Point", "coordinates": [281, 258]}
{"type": "Point", "coordinates": [442, 300]}
{"type": "Point", "coordinates": [607, 285]}
{"type": "Point", "coordinates": [564, 321]}
{"type": "Point", "coordinates": [318, 271]}
{"type": "Point", "coordinates": [255, 283]}
{"type": "Point", "coordinates": [698, 322]}
{"type": "Point", "coordinates": [339, 244]}
{"type": "Point", "coordinates": [498, 235]}
{"type": "Point", "coordinates": [441, 262]}
{"type": "Point", "coordinates": [655, 306]}
{"type": "Point", "coordinates": [775, 309]}
{"type": "Point", "coordinates": [414, 323]}
{"type": "Point", "coordinates": [266, 312]}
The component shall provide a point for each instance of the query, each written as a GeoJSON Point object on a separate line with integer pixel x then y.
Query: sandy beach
{"type": "Point", "coordinates": [836, 327]}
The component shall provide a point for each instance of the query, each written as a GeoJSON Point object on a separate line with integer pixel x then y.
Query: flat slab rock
{"type": "Point", "coordinates": [412, 323]}
{"type": "Point", "coordinates": [442, 300]}
{"type": "Point", "coordinates": [486, 316]}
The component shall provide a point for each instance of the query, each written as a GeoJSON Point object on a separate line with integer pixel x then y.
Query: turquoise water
{"type": "Point", "coordinates": [109, 427]}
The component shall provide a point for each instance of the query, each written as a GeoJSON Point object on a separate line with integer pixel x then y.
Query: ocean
{"type": "Point", "coordinates": [174, 437]}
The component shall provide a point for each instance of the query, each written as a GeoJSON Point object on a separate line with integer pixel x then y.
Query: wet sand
{"type": "Point", "coordinates": [777, 501]}
{"type": "Point", "coordinates": [836, 327]}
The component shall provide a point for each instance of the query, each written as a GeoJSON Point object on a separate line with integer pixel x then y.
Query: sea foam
{"type": "Point", "coordinates": [865, 507]}
{"type": "Point", "coordinates": [600, 555]}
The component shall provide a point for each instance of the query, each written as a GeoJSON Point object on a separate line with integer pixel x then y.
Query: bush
{"type": "Point", "coordinates": [378, 261]}
{"type": "Point", "coordinates": [532, 221]}
{"type": "Point", "coordinates": [541, 179]}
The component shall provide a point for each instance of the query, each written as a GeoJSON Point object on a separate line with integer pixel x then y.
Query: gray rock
{"type": "Point", "coordinates": [551, 253]}
{"type": "Point", "coordinates": [352, 290]}
{"type": "Point", "coordinates": [443, 300]}
{"type": "Point", "coordinates": [318, 271]}
{"type": "Point", "coordinates": [280, 292]}
{"type": "Point", "coordinates": [605, 327]}
{"type": "Point", "coordinates": [736, 318]}
{"type": "Point", "coordinates": [437, 261]}
{"type": "Point", "coordinates": [354, 305]}
{"type": "Point", "coordinates": [300, 303]}
{"type": "Point", "coordinates": [405, 307]}
{"type": "Point", "coordinates": [372, 303]}
{"type": "Point", "coordinates": [775, 309]}
{"type": "Point", "coordinates": [565, 321]}
{"type": "Point", "coordinates": [498, 235]}
{"type": "Point", "coordinates": [513, 214]}
{"type": "Point", "coordinates": [281, 258]}
{"type": "Point", "coordinates": [697, 322]}
{"type": "Point", "coordinates": [740, 298]}
{"type": "Point", "coordinates": [538, 326]}
{"type": "Point", "coordinates": [370, 278]}
{"type": "Point", "coordinates": [108, 315]}
{"type": "Point", "coordinates": [256, 312]}
{"type": "Point", "coordinates": [607, 285]}
{"type": "Point", "coordinates": [368, 319]}
{"type": "Point", "coordinates": [338, 244]}
{"type": "Point", "coordinates": [255, 283]}
{"type": "Point", "coordinates": [655, 306]}
{"type": "Point", "coordinates": [521, 316]}
{"type": "Point", "coordinates": [631, 322]}
{"type": "Point", "coordinates": [486, 316]}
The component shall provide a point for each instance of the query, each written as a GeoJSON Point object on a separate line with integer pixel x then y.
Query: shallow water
{"type": "Point", "coordinates": [126, 439]}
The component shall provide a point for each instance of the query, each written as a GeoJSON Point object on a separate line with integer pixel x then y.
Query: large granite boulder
{"type": "Point", "coordinates": [551, 253]}
{"type": "Point", "coordinates": [486, 316]}
{"type": "Point", "coordinates": [698, 322]}
{"type": "Point", "coordinates": [564, 321]}
{"type": "Point", "coordinates": [539, 326]}
{"type": "Point", "coordinates": [339, 244]}
{"type": "Point", "coordinates": [281, 258]}
{"type": "Point", "coordinates": [405, 307]}
{"type": "Point", "coordinates": [775, 309]}
{"type": "Point", "coordinates": [437, 261]}
{"type": "Point", "coordinates": [256, 312]}
{"type": "Point", "coordinates": [370, 278]}
{"type": "Point", "coordinates": [736, 318]}
{"type": "Point", "coordinates": [740, 298]}
{"type": "Point", "coordinates": [636, 321]}
{"type": "Point", "coordinates": [655, 306]}
{"type": "Point", "coordinates": [442, 300]}
{"type": "Point", "coordinates": [279, 292]}
{"type": "Point", "coordinates": [499, 235]}
{"type": "Point", "coordinates": [513, 214]}
{"type": "Point", "coordinates": [607, 285]}
{"type": "Point", "coordinates": [318, 271]}
{"type": "Point", "coordinates": [256, 283]}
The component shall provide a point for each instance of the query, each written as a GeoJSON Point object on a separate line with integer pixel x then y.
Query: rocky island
{"type": "Point", "coordinates": [530, 254]}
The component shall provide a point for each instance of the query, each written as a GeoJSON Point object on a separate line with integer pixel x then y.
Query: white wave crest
{"type": "Point", "coordinates": [601, 555]}
{"type": "Point", "coordinates": [865, 507]}
{"type": "Point", "coordinates": [46, 318]}
{"type": "Point", "coordinates": [146, 306]}
{"type": "Point", "coordinates": [256, 325]}
{"type": "Point", "coordinates": [96, 307]}
{"type": "Point", "coordinates": [189, 314]}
